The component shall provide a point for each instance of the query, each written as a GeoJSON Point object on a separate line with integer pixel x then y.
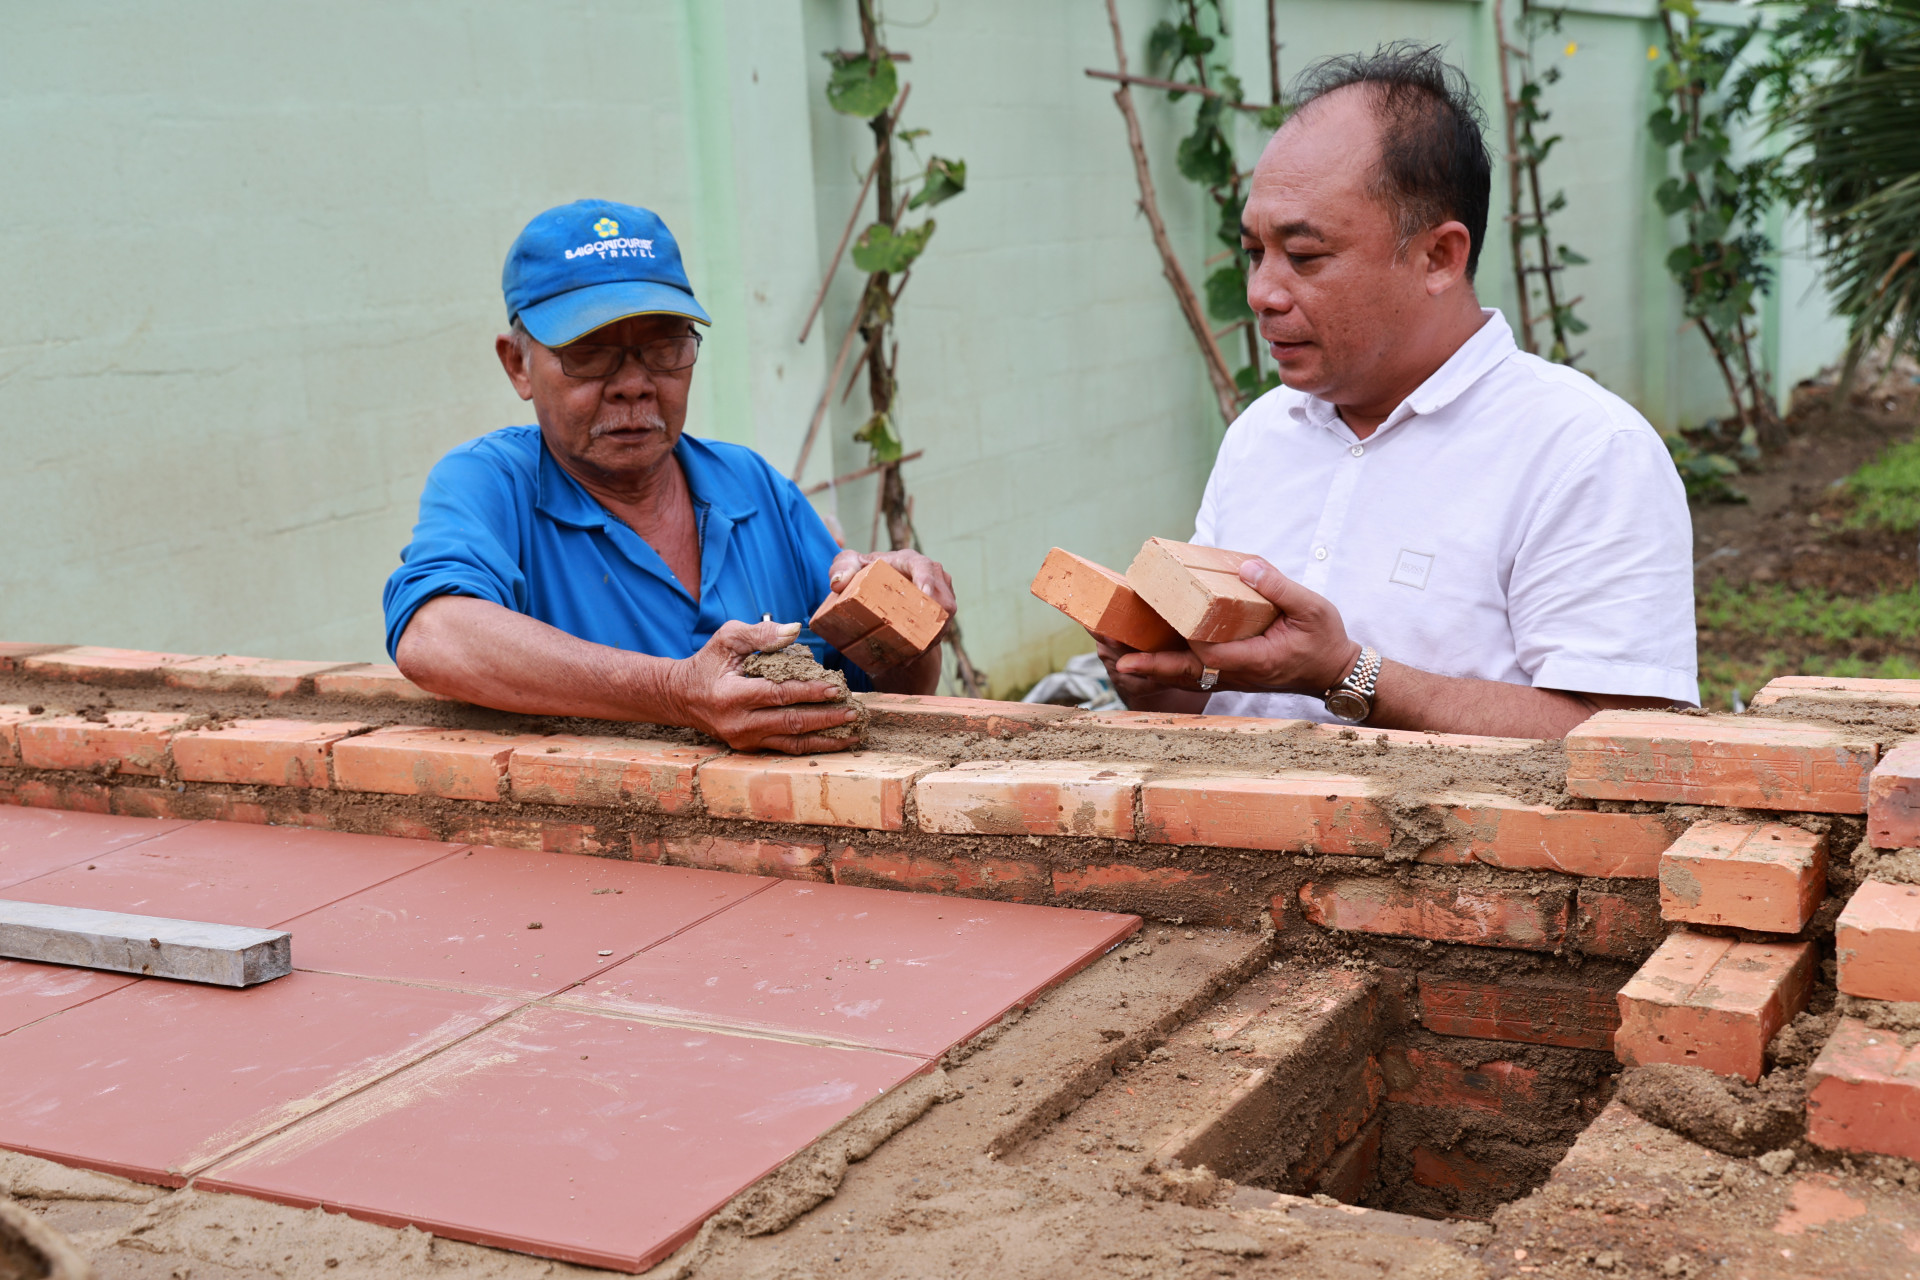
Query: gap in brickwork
{"type": "Point", "coordinates": [1318, 1080]}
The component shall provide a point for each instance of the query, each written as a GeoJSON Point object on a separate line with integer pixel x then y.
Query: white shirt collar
{"type": "Point", "coordinates": [1478, 356]}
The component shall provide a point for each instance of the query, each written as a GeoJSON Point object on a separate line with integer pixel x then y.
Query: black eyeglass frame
{"type": "Point", "coordinates": [658, 355]}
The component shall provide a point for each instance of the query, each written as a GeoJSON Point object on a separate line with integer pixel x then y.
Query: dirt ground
{"type": "Point", "coordinates": [1792, 532]}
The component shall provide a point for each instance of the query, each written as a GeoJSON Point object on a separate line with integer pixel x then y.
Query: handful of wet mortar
{"type": "Point", "coordinates": [796, 662]}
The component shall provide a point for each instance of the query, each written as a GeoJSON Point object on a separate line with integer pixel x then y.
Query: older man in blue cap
{"type": "Point", "coordinates": [603, 563]}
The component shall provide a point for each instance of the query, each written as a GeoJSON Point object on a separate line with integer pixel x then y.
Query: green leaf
{"type": "Point", "coordinates": [879, 438]}
{"type": "Point", "coordinates": [1571, 258]}
{"type": "Point", "coordinates": [1253, 384]}
{"type": "Point", "coordinates": [879, 249]}
{"type": "Point", "coordinates": [861, 86]}
{"type": "Point", "coordinates": [1683, 260]}
{"type": "Point", "coordinates": [1698, 156]}
{"type": "Point", "coordinates": [1161, 42]}
{"type": "Point", "coordinates": [945, 180]}
{"type": "Point", "coordinates": [1672, 196]}
{"type": "Point", "coordinates": [1227, 294]}
{"type": "Point", "coordinates": [1204, 157]}
{"type": "Point", "coordinates": [1666, 128]}
{"type": "Point", "coordinates": [1275, 116]}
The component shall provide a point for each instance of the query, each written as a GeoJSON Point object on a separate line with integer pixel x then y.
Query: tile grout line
{"type": "Point", "coordinates": [431, 862]}
{"type": "Point", "coordinates": [68, 866]}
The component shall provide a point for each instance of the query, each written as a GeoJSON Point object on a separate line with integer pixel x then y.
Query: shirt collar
{"type": "Point", "coordinates": [565, 500]}
{"type": "Point", "coordinates": [1478, 356]}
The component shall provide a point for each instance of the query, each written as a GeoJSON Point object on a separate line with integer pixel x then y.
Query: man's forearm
{"type": "Point", "coordinates": [1408, 698]}
{"type": "Point", "coordinates": [481, 653]}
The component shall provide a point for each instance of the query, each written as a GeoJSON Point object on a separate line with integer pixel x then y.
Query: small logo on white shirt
{"type": "Point", "coordinates": [1411, 570]}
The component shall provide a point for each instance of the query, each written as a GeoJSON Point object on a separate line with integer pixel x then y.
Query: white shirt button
{"type": "Point", "coordinates": [1357, 450]}
{"type": "Point", "coordinates": [1319, 553]}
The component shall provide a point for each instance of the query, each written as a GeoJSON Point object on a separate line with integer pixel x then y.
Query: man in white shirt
{"type": "Point", "coordinates": [1459, 536]}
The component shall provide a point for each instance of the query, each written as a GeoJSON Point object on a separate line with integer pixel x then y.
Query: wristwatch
{"type": "Point", "coordinates": [1352, 699]}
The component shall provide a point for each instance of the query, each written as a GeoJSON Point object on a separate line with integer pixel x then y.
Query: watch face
{"type": "Point", "coordinates": [1348, 705]}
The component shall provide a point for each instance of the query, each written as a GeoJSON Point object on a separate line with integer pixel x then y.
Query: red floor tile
{"type": "Point", "coordinates": [910, 972]}
{"type": "Point", "coordinates": [36, 841]}
{"type": "Point", "coordinates": [590, 1139]}
{"type": "Point", "coordinates": [162, 1078]}
{"type": "Point", "coordinates": [29, 992]}
{"type": "Point", "coordinates": [462, 922]}
{"type": "Point", "coordinates": [232, 873]}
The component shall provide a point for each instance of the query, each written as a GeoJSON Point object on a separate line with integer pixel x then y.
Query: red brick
{"type": "Point", "coordinates": [265, 753]}
{"type": "Point", "coordinates": [1101, 601]}
{"type": "Point", "coordinates": [11, 652]}
{"type": "Point", "coordinates": [1744, 762]}
{"type": "Point", "coordinates": [377, 680]}
{"type": "Point", "coordinates": [851, 789]}
{"type": "Point", "coordinates": [1455, 1170]}
{"type": "Point", "coordinates": [1503, 832]}
{"type": "Point", "coordinates": [1877, 941]}
{"type": "Point", "coordinates": [273, 677]}
{"type": "Point", "coordinates": [1898, 693]}
{"type": "Point", "coordinates": [1008, 879]}
{"type": "Point", "coordinates": [1289, 811]}
{"type": "Point", "coordinates": [1419, 1078]}
{"type": "Point", "coordinates": [35, 793]}
{"type": "Point", "coordinates": [1355, 1100]}
{"type": "Point", "coordinates": [1557, 1014]}
{"type": "Point", "coordinates": [1481, 917]}
{"type": "Point", "coordinates": [1621, 926]}
{"type": "Point", "coordinates": [399, 826]}
{"type": "Point", "coordinates": [1863, 1092]}
{"type": "Point", "coordinates": [542, 836]}
{"type": "Point", "coordinates": [195, 806]}
{"type": "Point", "coordinates": [460, 764]}
{"type": "Point", "coordinates": [1350, 1174]}
{"type": "Point", "coordinates": [879, 620]}
{"type": "Point", "coordinates": [987, 717]}
{"type": "Point", "coordinates": [1893, 799]}
{"type": "Point", "coordinates": [11, 718]}
{"type": "Point", "coordinates": [749, 857]}
{"type": "Point", "coordinates": [128, 742]}
{"type": "Point", "coordinates": [1030, 797]}
{"type": "Point", "coordinates": [92, 664]}
{"type": "Point", "coordinates": [1769, 878]}
{"type": "Point", "coordinates": [1712, 1002]}
{"type": "Point", "coordinates": [1198, 590]}
{"type": "Point", "coordinates": [1164, 892]}
{"type": "Point", "coordinates": [625, 773]}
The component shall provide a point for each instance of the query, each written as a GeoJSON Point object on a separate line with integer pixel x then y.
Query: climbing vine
{"type": "Point", "coordinates": [865, 85]}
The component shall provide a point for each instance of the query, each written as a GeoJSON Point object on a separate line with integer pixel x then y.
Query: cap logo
{"type": "Point", "coordinates": [617, 246]}
{"type": "Point", "coordinates": [606, 228]}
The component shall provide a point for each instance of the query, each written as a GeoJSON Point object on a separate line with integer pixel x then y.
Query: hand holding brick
{"type": "Point", "coordinates": [879, 620]}
{"type": "Point", "coordinates": [1101, 601]}
{"type": "Point", "coordinates": [1199, 592]}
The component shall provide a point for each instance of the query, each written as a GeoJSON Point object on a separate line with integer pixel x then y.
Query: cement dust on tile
{"type": "Point", "coordinates": [159, 1079]}
{"type": "Point", "coordinates": [592, 1139]}
{"type": "Point", "coordinates": [231, 873]}
{"type": "Point", "coordinates": [34, 842]}
{"type": "Point", "coordinates": [29, 991]}
{"type": "Point", "coordinates": [510, 922]}
{"type": "Point", "coordinates": [909, 972]}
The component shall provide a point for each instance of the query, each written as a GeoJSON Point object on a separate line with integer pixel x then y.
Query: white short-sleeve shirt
{"type": "Point", "coordinates": [1512, 520]}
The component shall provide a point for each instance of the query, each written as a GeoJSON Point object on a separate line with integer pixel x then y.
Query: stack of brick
{"type": "Point", "coordinates": [1864, 1089]}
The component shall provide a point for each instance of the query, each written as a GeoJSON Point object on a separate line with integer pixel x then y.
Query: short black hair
{"type": "Point", "coordinates": [1434, 165]}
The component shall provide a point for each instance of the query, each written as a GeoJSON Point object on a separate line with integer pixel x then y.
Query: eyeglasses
{"type": "Point", "coordinates": [596, 360]}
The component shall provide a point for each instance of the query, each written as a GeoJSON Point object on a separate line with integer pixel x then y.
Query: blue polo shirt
{"type": "Point", "coordinates": [501, 521]}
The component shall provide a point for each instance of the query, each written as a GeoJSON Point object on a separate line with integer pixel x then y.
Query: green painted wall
{"type": "Point", "coordinates": [253, 257]}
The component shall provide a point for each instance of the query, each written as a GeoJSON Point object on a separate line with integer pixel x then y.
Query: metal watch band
{"type": "Point", "coordinates": [1352, 699]}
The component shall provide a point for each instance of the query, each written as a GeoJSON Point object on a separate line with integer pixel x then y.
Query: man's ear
{"type": "Point", "coordinates": [513, 358]}
{"type": "Point", "coordinates": [1447, 248]}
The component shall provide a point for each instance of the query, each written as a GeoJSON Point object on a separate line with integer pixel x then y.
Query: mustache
{"type": "Point", "coordinates": [644, 421]}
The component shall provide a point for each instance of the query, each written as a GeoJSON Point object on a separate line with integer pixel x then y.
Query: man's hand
{"type": "Point", "coordinates": [711, 693]}
{"type": "Point", "coordinates": [1306, 650]}
{"type": "Point", "coordinates": [924, 573]}
{"type": "Point", "coordinates": [922, 675]}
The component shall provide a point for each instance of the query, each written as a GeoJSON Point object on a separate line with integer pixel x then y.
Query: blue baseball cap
{"type": "Point", "coordinates": [592, 262]}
